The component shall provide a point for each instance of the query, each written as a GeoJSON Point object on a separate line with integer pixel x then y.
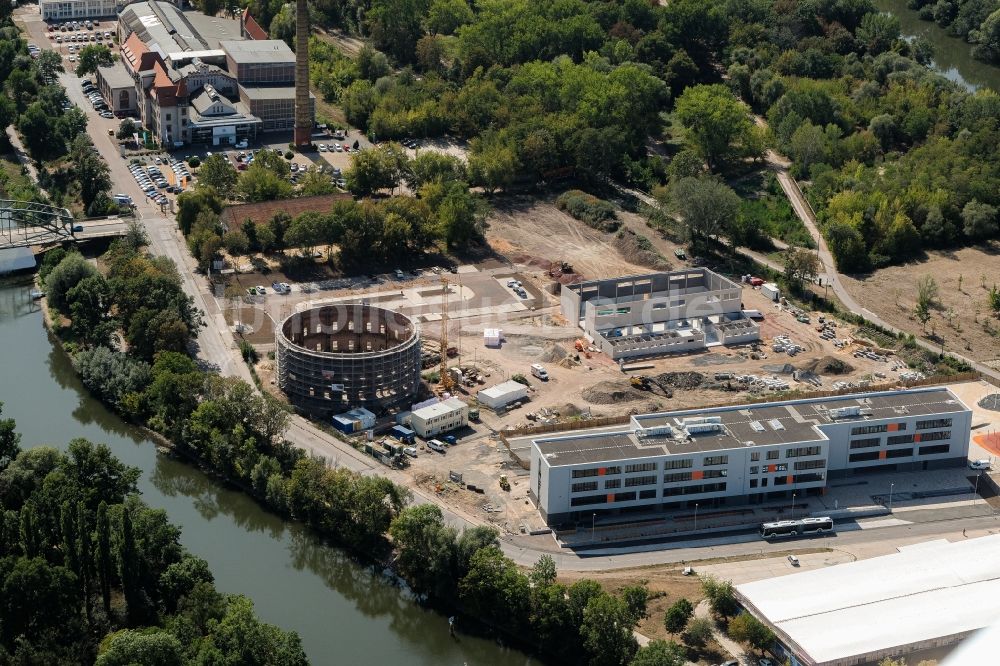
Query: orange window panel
{"type": "Point", "coordinates": [697, 475]}
{"type": "Point", "coordinates": [790, 479]}
{"type": "Point", "coordinates": [893, 427]}
{"type": "Point", "coordinates": [881, 455]}
{"type": "Point", "coordinates": [772, 468]}
{"type": "Point", "coordinates": [916, 438]}
{"type": "Point", "coordinates": [611, 498]}
{"type": "Point", "coordinates": [601, 471]}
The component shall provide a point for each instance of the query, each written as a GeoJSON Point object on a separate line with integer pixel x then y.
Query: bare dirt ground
{"type": "Point", "coordinates": [528, 231]}
{"type": "Point", "coordinates": [963, 320]}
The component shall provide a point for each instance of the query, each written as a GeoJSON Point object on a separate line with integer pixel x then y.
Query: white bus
{"type": "Point", "coordinates": [783, 528]}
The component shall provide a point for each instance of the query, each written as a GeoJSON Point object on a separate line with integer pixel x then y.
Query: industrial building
{"type": "Point", "coordinates": [744, 453]}
{"type": "Point", "coordinates": [440, 417]}
{"type": "Point", "coordinates": [76, 10]}
{"type": "Point", "coordinates": [659, 313]}
{"type": "Point", "coordinates": [191, 78]}
{"type": "Point", "coordinates": [354, 420]}
{"type": "Point", "coordinates": [500, 396]}
{"type": "Point", "coordinates": [332, 357]}
{"type": "Point", "coordinates": [926, 596]}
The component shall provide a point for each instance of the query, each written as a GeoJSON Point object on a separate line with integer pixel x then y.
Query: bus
{"type": "Point", "coordinates": [784, 528]}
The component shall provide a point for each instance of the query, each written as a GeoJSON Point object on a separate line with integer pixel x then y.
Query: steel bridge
{"type": "Point", "coordinates": [27, 223]}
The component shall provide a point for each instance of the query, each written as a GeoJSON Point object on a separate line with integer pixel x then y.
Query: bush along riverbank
{"type": "Point", "coordinates": [127, 325]}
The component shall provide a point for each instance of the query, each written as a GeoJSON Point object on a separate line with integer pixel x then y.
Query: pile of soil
{"type": "Point", "coordinates": [680, 380]}
{"type": "Point", "coordinates": [553, 354]}
{"type": "Point", "coordinates": [828, 365]}
{"type": "Point", "coordinates": [568, 409]}
{"type": "Point", "coordinates": [714, 359]}
{"type": "Point", "coordinates": [610, 393]}
{"type": "Point", "coordinates": [638, 250]}
{"type": "Point", "coordinates": [991, 402]}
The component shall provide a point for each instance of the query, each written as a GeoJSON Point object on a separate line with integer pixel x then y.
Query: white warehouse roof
{"type": "Point", "coordinates": [923, 592]}
{"type": "Point", "coordinates": [439, 408]}
{"type": "Point", "coordinates": [504, 390]}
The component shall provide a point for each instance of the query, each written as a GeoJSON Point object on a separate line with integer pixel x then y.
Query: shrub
{"type": "Point", "coordinates": [520, 379]}
{"type": "Point", "coordinates": [289, 154]}
{"type": "Point", "coordinates": [194, 162]}
{"type": "Point", "coordinates": [590, 210]}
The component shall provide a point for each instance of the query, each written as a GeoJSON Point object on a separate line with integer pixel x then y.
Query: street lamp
{"type": "Point", "coordinates": [695, 516]}
{"type": "Point", "coordinates": [593, 517]}
{"type": "Point", "coordinates": [976, 491]}
{"type": "Point", "coordinates": [890, 496]}
{"type": "Point", "coordinates": [793, 505]}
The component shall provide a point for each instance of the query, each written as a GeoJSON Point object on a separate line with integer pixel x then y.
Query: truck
{"type": "Point", "coordinates": [539, 371]}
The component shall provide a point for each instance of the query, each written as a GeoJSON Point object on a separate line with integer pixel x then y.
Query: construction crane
{"type": "Point", "coordinates": [446, 382]}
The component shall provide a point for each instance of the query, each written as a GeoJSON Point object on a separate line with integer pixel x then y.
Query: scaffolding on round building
{"type": "Point", "coordinates": [334, 357]}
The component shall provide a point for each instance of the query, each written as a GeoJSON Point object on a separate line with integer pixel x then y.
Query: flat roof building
{"type": "Point", "coordinates": [440, 417]}
{"type": "Point", "coordinates": [659, 313]}
{"type": "Point", "coordinates": [499, 396]}
{"type": "Point", "coordinates": [928, 595]}
{"type": "Point", "coordinates": [744, 453]}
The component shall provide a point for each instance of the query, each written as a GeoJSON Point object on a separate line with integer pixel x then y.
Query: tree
{"type": "Point", "coordinates": [699, 632]}
{"type": "Point", "coordinates": [192, 203]}
{"type": "Point", "coordinates": [544, 571]}
{"type": "Point", "coordinates": [258, 183]}
{"type": "Point", "coordinates": [492, 165]}
{"type": "Point", "coordinates": [430, 166]}
{"type": "Point", "coordinates": [104, 562]}
{"type": "Point", "coordinates": [927, 293]}
{"type": "Point", "coordinates": [90, 170]}
{"type": "Point", "coordinates": [127, 128]}
{"type": "Point", "coordinates": [607, 631]}
{"type": "Point", "coordinates": [721, 596]}
{"type": "Point", "coordinates": [37, 598]}
{"type": "Point", "coordinates": [980, 220]}
{"type": "Point", "coordinates": [923, 314]}
{"type": "Point", "coordinates": [381, 168]}
{"type": "Point", "coordinates": [236, 242]}
{"type": "Point", "coordinates": [992, 300]}
{"type": "Point", "coordinates": [494, 589]}
{"type": "Point", "coordinates": [372, 64]}
{"type": "Point", "coordinates": [877, 32]}
{"type": "Point", "coordinates": [801, 264]}
{"type": "Point", "coordinates": [93, 56]}
{"type": "Point", "coordinates": [660, 653]}
{"type": "Point", "coordinates": [283, 24]}
{"type": "Point", "coordinates": [36, 128]}
{"type": "Point", "coordinates": [678, 616]}
{"type": "Point", "coordinates": [425, 550]}
{"type": "Point", "coordinates": [219, 173]}
{"type": "Point", "coordinates": [70, 272]}
{"type": "Point", "coordinates": [128, 569]}
{"type": "Point", "coordinates": [49, 63]}
{"type": "Point", "coordinates": [10, 441]}
{"type": "Point", "coordinates": [85, 548]}
{"type": "Point", "coordinates": [151, 648]}
{"type": "Point", "coordinates": [745, 628]}
{"type": "Point", "coordinates": [717, 122]}
{"type": "Point", "coordinates": [635, 597]}
{"type": "Point", "coordinates": [446, 16]}
{"type": "Point", "coordinates": [706, 206]}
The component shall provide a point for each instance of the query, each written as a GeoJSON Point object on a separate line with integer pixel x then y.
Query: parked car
{"type": "Point", "coordinates": [321, 147]}
{"type": "Point", "coordinates": [261, 289]}
{"type": "Point", "coordinates": [980, 464]}
{"type": "Point", "coordinates": [410, 451]}
{"type": "Point", "coordinates": [794, 561]}
{"type": "Point", "coordinates": [436, 445]}
{"type": "Point", "coordinates": [764, 661]}
{"type": "Point", "coordinates": [77, 228]}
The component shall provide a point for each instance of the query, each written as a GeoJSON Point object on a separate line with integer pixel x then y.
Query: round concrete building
{"type": "Point", "coordinates": [335, 357]}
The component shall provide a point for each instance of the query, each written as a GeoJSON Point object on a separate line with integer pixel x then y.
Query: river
{"type": "Point", "coordinates": [951, 54]}
{"type": "Point", "coordinates": [345, 613]}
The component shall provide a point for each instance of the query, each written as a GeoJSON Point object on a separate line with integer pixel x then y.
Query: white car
{"type": "Point", "coordinates": [436, 445]}
{"type": "Point", "coordinates": [979, 464]}
{"type": "Point", "coordinates": [322, 147]}
{"type": "Point", "coordinates": [410, 451]}
{"type": "Point", "coordinates": [794, 561]}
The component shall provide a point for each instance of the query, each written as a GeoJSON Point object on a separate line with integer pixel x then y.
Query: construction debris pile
{"type": "Point", "coordinates": [783, 343]}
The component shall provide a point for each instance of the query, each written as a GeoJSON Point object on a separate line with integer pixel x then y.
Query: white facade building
{"type": "Point", "coordinates": [659, 313]}
{"type": "Point", "coordinates": [744, 454]}
{"type": "Point", "coordinates": [440, 417]}
{"type": "Point", "coordinates": [501, 395]}
{"type": "Point", "coordinates": [68, 10]}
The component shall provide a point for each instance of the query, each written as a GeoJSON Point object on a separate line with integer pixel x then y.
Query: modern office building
{"type": "Point", "coordinates": [75, 10]}
{"type": "Point", "coordinates": [926, 596]}
{"type": "Point", "coordinates": [659, 313]}
{"type": "Point", "coordinates": [198, 79]}
{"type": "Point", "coordinates": [744, 453]}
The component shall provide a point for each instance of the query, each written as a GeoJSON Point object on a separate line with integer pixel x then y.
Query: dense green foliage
{"type": "Point", "coordinates": [975, 21]}
{"type": "Point", "coordinates": [87, 571]}
{"type": "Point", "coordinates": [587, 208]}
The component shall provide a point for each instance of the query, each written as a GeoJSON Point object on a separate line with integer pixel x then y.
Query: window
{"type": "Point", "coordinates": [640, 467]}
{"type": "Point", "coordinates": [625, 497]}
{"type": "Point", "coordinates": [861, 457]}
{"type": "Point", "coordinates": [611, 484]}
{"type": "Point", "coordinates": [677, 477]}
{"type": "Point", "coordinates": [865, 443]}
{"type": "Point", "coordinates": [935, 436]}
{"type": "Point", "coordinates": [934, 423]}
{"type": "Point", "coordinates": [753, 483]}
{"type": "Point", "coordinates": [763, 483]}
{"type": "Point", "coordinates": [754, 456]}
{"type": "Point", "coordinates": [678, 464]}
{"type": "Point", "coordinates": [899, 439]}
{"type": "Point", "coordinates": [754, 469]}
{"type": "Point", "coordinates": [613, 470]}
{"type": "Point", "coordinates": [810, 464]}
{"type": "Point", "coordinates": [869, 430]}
{"type": "Point", "coordinates": [647, 494]}
{"type": "Point", "coordinates": [584, 473]}
{"type": "Point", "coordinates": [709, 461]}
{"type": "Point", "coordinates": [899, 453]}
{"type": "Point", "coordinates": [584, 487]}
{"type": "Point", "coordinates": [934, 450]}
{"type": "Point", "coordinates": [632, 481]}
{"type": "Point", "coordinates": [589, 499]}
{"type": "Point", "coordinates": [714, 473]}
{"type": "Point", "coordinates": [802, 451]}
{"type": "Point", "coordinates": [168, 117]}
{"type": "Point", "coordinates": [780, 480]}
{"type": "Point", "coordinates": [808, 478]}
{"type": "Point", "coordinates": [773, 455]}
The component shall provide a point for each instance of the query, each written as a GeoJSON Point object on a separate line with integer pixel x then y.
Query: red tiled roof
{"type": "Point", "coordinates": [250, 26]}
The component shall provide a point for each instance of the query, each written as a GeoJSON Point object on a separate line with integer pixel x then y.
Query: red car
{"type": "Point", "coordinates": [756, 282]}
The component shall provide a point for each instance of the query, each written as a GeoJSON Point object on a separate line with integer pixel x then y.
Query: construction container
{"type": "Point", "coordinates": [770, 290]}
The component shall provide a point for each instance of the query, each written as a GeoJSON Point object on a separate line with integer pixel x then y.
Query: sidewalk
{"type": "Point", "coordinates": [734, 649]}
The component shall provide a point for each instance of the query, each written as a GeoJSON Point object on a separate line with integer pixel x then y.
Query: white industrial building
{"type": "Point", "coordinates": [744, 453]}
{"type": "Point", "coordinates": [500, 396]}
{"type": "Point", "coordinates": [925, 596]}
{"type": "Point", "coordinates": [659, 313]}
{"type": "Point", "coordinates": [440, 417]}
{"type": "Point", "coordinates": [75, 10]}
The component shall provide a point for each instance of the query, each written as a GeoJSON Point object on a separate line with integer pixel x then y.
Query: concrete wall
{"type": "Point", "coordinates": [651, 345]}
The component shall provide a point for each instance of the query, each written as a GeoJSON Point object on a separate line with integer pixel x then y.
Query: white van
{"type": "Point", "coordinates": [538, 370]}
{"type": "Point", "coordinates": [436, 445]}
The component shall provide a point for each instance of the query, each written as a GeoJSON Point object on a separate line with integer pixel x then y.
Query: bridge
{"type": "Point", "coordinates": [27, 224]}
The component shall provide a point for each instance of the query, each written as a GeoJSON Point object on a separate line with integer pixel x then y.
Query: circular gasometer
{"type": "Point", "coordinates": [334, 357]}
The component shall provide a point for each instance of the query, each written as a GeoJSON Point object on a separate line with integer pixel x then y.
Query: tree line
{"type": "Point", "coordinates": [90, 574]}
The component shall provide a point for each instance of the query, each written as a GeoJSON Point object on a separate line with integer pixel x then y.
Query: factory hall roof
{"type": "Point", "coordinates": [739, 426]}
{"type": "Point", "coordinates": [253, 51]}
{"type": "Point", "coordinates": [923, 592]}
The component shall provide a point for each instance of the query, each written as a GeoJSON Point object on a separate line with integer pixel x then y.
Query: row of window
{"type": "Point", "coordinates": [709, 461]}
{"type": "Point", "coordinates": [617, 497]}
{"type": "Point", "coordinates": [810, 464]}
{"type": "Point", "coordinates": [898, 453]}
{"type": "Point", "coordinates": [802, 451]}
{"type": "Point", "coordinates": [633, 481]}
{"type": "Point", "coordinates": [866, 443]}
{"type": "Point", "coordinates": [694, 490]}
{"type": "Point", "coordinates": [785, 480]}
{"type": "Point", "coordinates": [933, 423]}
{"type": "Point", "coordinates": [771, 455]}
